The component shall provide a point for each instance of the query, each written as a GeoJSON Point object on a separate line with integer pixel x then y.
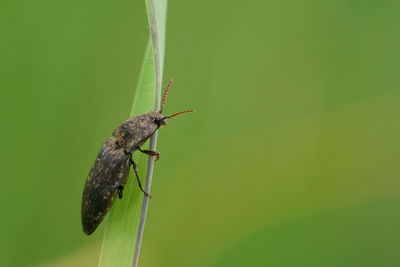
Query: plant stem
{"type": "Point", "coordinates": [155, 12]}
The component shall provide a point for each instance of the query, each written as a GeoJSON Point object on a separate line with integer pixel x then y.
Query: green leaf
{"type": "Point", "coordinates": [125, 222]}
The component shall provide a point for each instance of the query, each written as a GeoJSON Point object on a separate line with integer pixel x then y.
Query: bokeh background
{"type": "Point", "coordinates": [291, 159]}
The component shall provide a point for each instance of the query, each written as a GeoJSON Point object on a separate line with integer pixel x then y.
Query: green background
{"type": "Point", "coordinates": [291, 158]}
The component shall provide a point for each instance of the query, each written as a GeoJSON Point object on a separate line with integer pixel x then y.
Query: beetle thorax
{"type": "Point", "coordinates": [135, 131]}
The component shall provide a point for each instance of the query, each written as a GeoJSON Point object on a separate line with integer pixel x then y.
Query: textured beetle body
{"type": "Point", "coordinates": [110, 170]}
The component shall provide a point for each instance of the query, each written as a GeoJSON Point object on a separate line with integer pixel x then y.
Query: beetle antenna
{"type": "Point", "coordinates": [164, 97]}
{"type": "Point", "coordinates": [176, 114]}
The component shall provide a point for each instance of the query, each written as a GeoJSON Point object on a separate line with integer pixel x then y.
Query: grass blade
{"type": "Point", "coordinates": [125, 222]}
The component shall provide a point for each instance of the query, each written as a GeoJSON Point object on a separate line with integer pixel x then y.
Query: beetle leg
{"type": "Point", "coordinates": [150, 153]}
{"type": "Point", "coordinates": [120, 189]}
{"type": "Point", "coordinates": [135, 169]}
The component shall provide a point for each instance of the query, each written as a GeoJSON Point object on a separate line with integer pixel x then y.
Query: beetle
{"type": "Point", "coordinates": [110, 171]}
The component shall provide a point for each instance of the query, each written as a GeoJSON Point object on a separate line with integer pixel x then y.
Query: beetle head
{"type": "Point", "coordinates": [157, 118]}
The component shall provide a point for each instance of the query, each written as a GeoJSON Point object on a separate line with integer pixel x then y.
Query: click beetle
{"type": "Point", "coordinates": [110, 171]}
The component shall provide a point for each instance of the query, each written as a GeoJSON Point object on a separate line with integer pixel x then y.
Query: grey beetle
{"type": "Point", "coordinates": [110, 171]}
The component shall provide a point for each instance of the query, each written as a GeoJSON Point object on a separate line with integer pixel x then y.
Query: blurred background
{"type": "Point", "coordinates": [291, 159]}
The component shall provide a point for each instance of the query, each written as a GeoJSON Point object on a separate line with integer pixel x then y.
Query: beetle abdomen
{"type": "Point", "coordinates": [109, 171]}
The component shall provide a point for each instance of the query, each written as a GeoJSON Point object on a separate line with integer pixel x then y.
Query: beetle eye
{"type": "Point", "coordinates": [157, 121]}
